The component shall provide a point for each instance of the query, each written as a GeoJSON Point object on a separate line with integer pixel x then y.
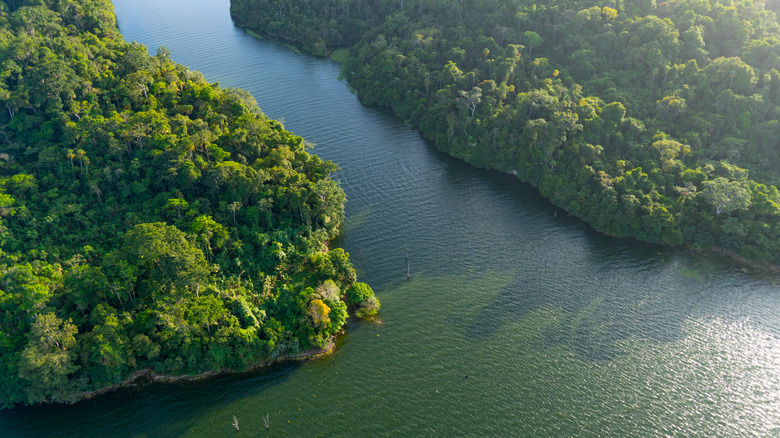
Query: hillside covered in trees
{"type": "Point", "coordinates": [149, 220]}
{"type": "Point", "coordinates": [657, 121]}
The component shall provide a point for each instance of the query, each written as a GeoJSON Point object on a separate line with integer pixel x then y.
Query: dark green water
{"type": "Point", "coordinates": [561, 331]}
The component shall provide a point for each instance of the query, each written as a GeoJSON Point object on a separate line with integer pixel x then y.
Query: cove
{"type": "Point", "coordinates": [560, 330]}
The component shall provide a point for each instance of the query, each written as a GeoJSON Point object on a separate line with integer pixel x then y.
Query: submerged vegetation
{"type": "Point", "coordinates": [657, 121]}
{"type": "Point", "coordinates": [150, 220]}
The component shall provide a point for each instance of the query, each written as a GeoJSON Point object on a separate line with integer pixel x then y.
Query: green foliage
{"type": "Point", "coordinates": [161, 259]}
{"type": "Point", "coordinates": [148, 219]}
{"type": "Point", "coordinates": [48, 359]}
{"type": "Point", "coordinates": [642, 118]}
{"type": "Point", "coordinates": [726, 196]}
{"type": "Point", "coordinates": [361, 297]}
{"type": "Point", "coordinates": [340, 56]}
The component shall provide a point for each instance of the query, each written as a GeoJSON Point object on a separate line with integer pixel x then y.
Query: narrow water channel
{"type": "Point", "coordinates": [517, 320]}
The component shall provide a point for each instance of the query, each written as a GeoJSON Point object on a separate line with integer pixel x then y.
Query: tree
{"type": "Point", "coordinates": [731, 73]}
{"type": "Point", "coordinates": [209, 234]}
{"type": "Point", "coordinates": [107, 345]}
{"type": "Point", "coordinates": [164, 257]}
{"type": "Point", "coordinates": [206, 311]}
{"type": "Point", "coordinates": [71, 155]}
{"type": "Point", "coordinates": [726, 196]}
{"type": "Point", "coordinates": [53, 85]}
{"type": "Point", "coordinates": [234, 207]}
{"type": "Point", "coordinates": [177, 205]}
{"type": "Point", "coordinates": [668, 151]}
{"type": "Point", "coordinates": [328, 290]}
{"type": "Point", "coordinates": [532, 39]}
{"type": "Point", "coordinates": [362, 297]}
{"type": "Point", "coordinates": [48, 360]}
{"type": "Point", "coordinates": [318, 311]}
{"type": "Point", "coordinates": [470, 99]}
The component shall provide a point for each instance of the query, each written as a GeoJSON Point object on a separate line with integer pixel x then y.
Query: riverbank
{"type": "Point", "coordinates": [147, 376]}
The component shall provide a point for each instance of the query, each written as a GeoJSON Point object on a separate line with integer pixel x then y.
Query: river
{"type": "Point", "coordinates": [517, 320]}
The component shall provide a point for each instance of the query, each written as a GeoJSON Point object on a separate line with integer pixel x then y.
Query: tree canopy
{"type": "Point", "coordinates": [148, 218]}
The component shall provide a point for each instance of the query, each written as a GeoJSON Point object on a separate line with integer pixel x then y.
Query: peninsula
{"type": "Point", "coordinates": [150, 222]}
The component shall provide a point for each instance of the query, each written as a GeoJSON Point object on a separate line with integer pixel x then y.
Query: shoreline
{"type": "Point", "coordinates": [293, 44]}
{"type": "Point", "coordinates": [147, 376]}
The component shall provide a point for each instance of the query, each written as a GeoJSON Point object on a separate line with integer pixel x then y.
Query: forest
{"type": "Point", "coordinates": [654, 121]}
{"type": "Point", "coordinates": [150, 220]}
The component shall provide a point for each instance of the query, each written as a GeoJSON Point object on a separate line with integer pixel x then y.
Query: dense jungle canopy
{"type": "Point", "coordinates": [149, 220]}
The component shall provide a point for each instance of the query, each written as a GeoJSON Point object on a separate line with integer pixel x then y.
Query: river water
{"type": "Point", "coordinates": [517, 319]}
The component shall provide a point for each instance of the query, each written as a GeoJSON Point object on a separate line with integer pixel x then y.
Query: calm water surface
{"type": "Point", "coordinates": [559, 330]}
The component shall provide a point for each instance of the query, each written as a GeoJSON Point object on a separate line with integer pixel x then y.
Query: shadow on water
{"type": "Point", "coordinates": [611, 289]}
{"type": "Point", "coordinates": [152, 409]}
{"type": "Point", "coordinates": [593, 327]}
